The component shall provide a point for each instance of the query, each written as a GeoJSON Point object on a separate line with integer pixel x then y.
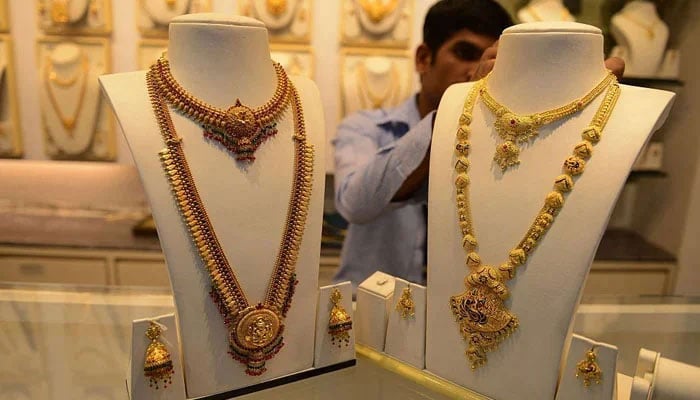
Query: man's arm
{"type": "Point", "coordinates": [367, 177]}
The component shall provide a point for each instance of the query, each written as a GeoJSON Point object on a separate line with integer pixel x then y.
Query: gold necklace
{"type": "Point", "coordinates": [254, 330]}
{"type": "Point", "coordinates": [377, 10]}
{"type": "Point", "coordinates": [238, 128]}
{"type": "Point", "coordinates": [50, 76]}
{"type": "Point", "coordinates": [520, 128]}
{"type": "Point", "coordinates": [365, 91]}
{"type": "Point", "coordinates": [484, 319]}
{"type": "Point", "coordinates": [646, 27]}
{"type": "Point", "coordinates": [276, 7]}
{"type": "Point", "coordinates": [59, 12]}
{"type": "Point", "coordinates": [170, 3]}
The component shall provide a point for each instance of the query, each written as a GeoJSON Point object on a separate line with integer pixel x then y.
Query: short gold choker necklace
{"type": "Point", "coordinates": [254, 330]}
{"type": "Point", "coordinates": [239, 128]}
{"type": "Point", "coordinates": [484, 320]}
{"type": "Point", "coordinates": [515, 129]}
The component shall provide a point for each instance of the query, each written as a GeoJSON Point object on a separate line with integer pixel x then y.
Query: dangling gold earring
{"type": "Point", "coordinates": [405, 306]}
{"type": "Point", "coordinates": [588, 369]}
{"type": "Point", "coordinates": [339, 323]}
{"type": "Point", "coordinates": [158, 365]}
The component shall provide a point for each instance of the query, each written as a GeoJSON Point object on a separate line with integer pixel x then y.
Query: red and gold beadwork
{"type": "Point", "coordinates": [239, 128]}
{"type": "Point", "coordinates": [483, 317]}
{"type": "Point", "coordinates": [516, 128]}
{"type": "Point", "coordinates": [255, 330]}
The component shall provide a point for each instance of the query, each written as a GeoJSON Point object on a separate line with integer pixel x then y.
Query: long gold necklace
{"type": "Point", "coordinates": [377, 10]}
{"type": "Point", "coordinates": [254, 330]}
{"type": "Point", "coordinates": [365, 91]}
{"type": "Point", "coordinates": [484, 320]}
{"type": "Point", "coordinates": [239, 128]}
{"type": "Point", "coordinates": [50, 76]}
{"type": "Point", "coordinates": [520, 128]}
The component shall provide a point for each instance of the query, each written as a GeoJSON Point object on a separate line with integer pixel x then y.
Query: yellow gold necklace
{"type": "Point", "coordinates": [520, 128]}
{"type": "Point", "coordinates": [276, 7]}
{"type": "Point", "coordinates": [59, 12]}
{"type": "Point", "coordinates": [648, 28]}
{"type": "Point", "coordinates": [51, 76]}
{"type": "Point", "coordinates": [254, 330]}
{"type": "Point", "coordinates": [484, 320]}
{"type": "Point", "coordinates": [365, 91]}
{"type": "Point", "coordinates": [377, 10]}
{"type": "Point", "coordinates": [170, 3]}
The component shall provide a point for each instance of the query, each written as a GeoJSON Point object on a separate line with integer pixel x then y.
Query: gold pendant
{"type": "Point", "coordinates": [519, 127]}
{"type": "Point", "coordinates": [376, 10]}
{"type": "Point", "coordinates": [484, 321]}
{"type": "Point", "coordinates": [276, 7]}
{"type": "Point", "coordinates": [405, 306]}
{"type": "Point", "coordinates": [158, 365]}
{"type": "Point", "coordinates": [170, 3]}
{"type": "Point", "coordinates": [256, 338]}
{"type": "Point", "coordinates": [507, 155]}
{"type": "Point", "coordinates": [59, 12]}
{"type": "Point", "coordinates": [588, 369]}
{"type": "Point", "coordinates": [339, 322]}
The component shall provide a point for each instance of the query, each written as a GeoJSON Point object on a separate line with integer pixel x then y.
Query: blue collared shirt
{"type": "Point", "coordinates": [375, 151]}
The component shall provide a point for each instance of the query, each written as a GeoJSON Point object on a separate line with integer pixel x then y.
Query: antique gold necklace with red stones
{"type": "Point", "coordinates": [520, 128]}
{"type": "Point", "coordinates": [239, 128]}
{"type": "Point", "coordinates": [484, 320]}
{"type": "Point", "coordinates": [254, 330]}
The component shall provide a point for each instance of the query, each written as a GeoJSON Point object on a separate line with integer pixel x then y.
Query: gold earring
{"type": "Point", "coordinates": [588, 369]}
{"type": "Point", "coordinates": [339, 323]}
{"type": "Point", "coordinates": [406, 307]}
{"type": "Point", "coordinates": [158, 365]}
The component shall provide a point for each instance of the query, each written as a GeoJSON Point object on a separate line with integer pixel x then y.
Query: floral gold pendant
{"type": "Point", "coordinates": [507, 155]}
{"type": "Point", "coordinates": [256, 338]}
{"type": "Point", "coordinates": [484, 321]}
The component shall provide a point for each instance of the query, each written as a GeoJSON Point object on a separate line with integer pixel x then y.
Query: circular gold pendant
{"type": "Point", "coordinates": [257, 329]}
{"type": "Point", "coordinates": [241, 121]}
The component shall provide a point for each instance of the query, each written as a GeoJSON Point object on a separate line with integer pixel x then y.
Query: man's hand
{"type": "Point", "coordinates": [488, 59]}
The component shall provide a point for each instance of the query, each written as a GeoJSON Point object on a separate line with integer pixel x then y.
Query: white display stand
{"type": "Point", "coordinates": [326, 353]}
{"type": "Point", "coordinates": [659, 378]}
{"type": "Point", "coordinates": [137, 383]}
{"type": "Point", "coordinates": [219, 58]}
{"type": "Point", "coordinates": [540, 66]}
{"type": "Point", "coordinates": [372, 311]}
{"type": "Point", "coordinates": [572, 388]}
{"type": "Point", "coordinates": [405, 338]}
{"type": "Point", "coordinates": [641, 36]}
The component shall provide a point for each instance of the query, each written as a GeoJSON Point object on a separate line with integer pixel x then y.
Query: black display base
{"type": "Point", "coordinates": [280, 381]}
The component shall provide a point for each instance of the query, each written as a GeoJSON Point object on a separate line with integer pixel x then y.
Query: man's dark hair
{"type": "Point", "coordinates": [447, 17]}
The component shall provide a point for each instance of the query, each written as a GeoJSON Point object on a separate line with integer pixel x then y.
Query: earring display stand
{"type": "Point", "coordinates": [325, 352]}
{"type": "Point", "coordinates": [405, 337]}
{"type": "Point", "coordinates": [373, 307]}
{"type": "Point", "coordinates": [572, 387]}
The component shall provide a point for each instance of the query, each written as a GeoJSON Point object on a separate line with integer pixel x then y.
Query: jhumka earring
{"type": "Point", "coordinates": [339, 323]}
{"type": "Point", "coordinates": [405, 306]}
{"type": "Point", "coordinates": [588, 369]}
{"type": "Point", "coordinates": [158, 365]}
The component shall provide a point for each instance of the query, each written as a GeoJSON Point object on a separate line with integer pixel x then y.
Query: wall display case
{"type": "Point", "coordinates": [153, 16]}
{"type": "Point", "coordinates": [288, 21]}
{"type": "Point", "coordinates": [374, 79]}
{"type": "Point", "coordinates": [75, 17]}
{"type": "Point", "coordinates": [377, 23]}
{"type": "Point", "coordinates": [296, 60]}
{"type": "Point", "coordinates": [76, 121]}
{"type": "Point", "coordinates": [149, 50]}
{"type": "Point", "coordinates": [10, 130]}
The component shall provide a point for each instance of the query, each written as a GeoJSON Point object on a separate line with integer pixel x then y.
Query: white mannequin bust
{"type": "Point", "coordinates": [641, 36]}
{"type": "Point", "coordinates": [539, 66]}
{"type": "Point", "coordinates": [219, 58]}
{"type": "Point", "coordinates": [545, 10]}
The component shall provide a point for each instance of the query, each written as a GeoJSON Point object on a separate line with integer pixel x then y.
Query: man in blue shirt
{"type": "Point", "coordinates": [381, 156]}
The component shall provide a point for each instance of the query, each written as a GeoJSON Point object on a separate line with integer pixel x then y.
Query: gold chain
{"type": "Point", "coordinates": [365, 91]}
{"type": "Point", "coordinates": [484, 319]}
{"type": "Point", "coordinates": [239, 128]}
{"type": "Point", "coordinates": [50, 76]}
{"type": "Point", "coordinates": [255, 331]}
{"type": "Point", "coordinates": [516, 128]}
{"type": "Point", "coordinates": [646, 27]}
{"type": "Point", "coordinates": [377, 10]}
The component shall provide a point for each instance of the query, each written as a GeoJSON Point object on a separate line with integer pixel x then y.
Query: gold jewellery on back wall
{"type": "Point", "coordinates": [254, 330]}
{"type": "Point", "coordinates": [377, 10]}
{"type": "Point", "coordinates": [365, 93]}
{"type": "Point", "coordinates": [276, 7]}
{"type": "Point", "coordinates": [515, 128]}
{"type": "Point", "coordinates": [484, 320]}
{"type": "Point", "coordinates": [51, 78]}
